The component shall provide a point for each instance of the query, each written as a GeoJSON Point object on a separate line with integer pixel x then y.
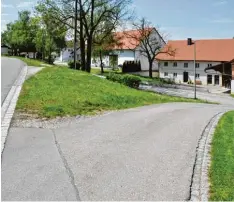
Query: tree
{"type": "Point", "coordinates": [103, 46]}
{"type": "Point", "coordinates": [92, 14]}
{"type": "Point", "coordinates": [148, 41]}
{"type": "Point", "coordinates": [19, 34]}
{"type": "Point", "coordinates": [51, 35]}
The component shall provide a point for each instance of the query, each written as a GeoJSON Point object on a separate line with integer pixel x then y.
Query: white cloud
{"type": "Point", "coordinates": [24, 4]}
{"type": "Point", "coordinates": [5, 14]}
{"type": "Point", "coordinates": [223, 21]}
{"type": "Point", "coordinates": [7, 6]}
{"type": "Point", "coordinates": [220, 3]}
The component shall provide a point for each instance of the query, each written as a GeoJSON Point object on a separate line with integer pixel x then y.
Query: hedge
{"type": "Point", "coordinates": [131, 66]}
{"type": "Point", "coordinates": [71, 65]}
{"type": "Point", "coordinates": [128, 80]}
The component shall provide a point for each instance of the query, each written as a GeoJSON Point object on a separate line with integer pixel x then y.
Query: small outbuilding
{"type": "Point", "coordinates": [4, 49]}
{"type": "Point", "coordinates": [227, 71]}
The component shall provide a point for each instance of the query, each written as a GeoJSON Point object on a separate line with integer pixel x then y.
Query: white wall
{"type": "Point", "coordinates": [4, 50]}
{"type": "Point", "coordinates": [95, 62]}
{"type": "Point", "coordinates": [65, 54]}
{"type": "Point", "coordinates": [232, 86]}
{"type": "Point", "coordinates": [170, 69]}
{"type": "Point", "coordinates": [124, 55]}
{"type": "Point", "coordinates": [144, 60]}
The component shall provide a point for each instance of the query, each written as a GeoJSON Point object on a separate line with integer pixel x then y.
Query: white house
{"type": "Point", "coordinates": [180, 65]}
{"type": "Point", "coordinates": [128, 50]}
{"type": "Point", "coordinates": [67, 54]}
{"type": "Point", "coordinates": [4, 49]}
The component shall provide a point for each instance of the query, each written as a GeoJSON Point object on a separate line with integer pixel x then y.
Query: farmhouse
{"type": "Point", "coordinates": [127, 50]}
{"type": "Point", "coordinates": [180, 66]}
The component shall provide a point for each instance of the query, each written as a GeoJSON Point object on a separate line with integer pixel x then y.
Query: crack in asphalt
{"type": "Point", "coordinates": [69, 171]}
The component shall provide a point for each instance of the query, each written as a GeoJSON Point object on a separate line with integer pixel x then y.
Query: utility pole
{"type": "Point", "coordinates": [190, 42]}
{"type": "Point", "coordinates": [195, 85]}
{"type": "Point", "coordinates": [75, 33]}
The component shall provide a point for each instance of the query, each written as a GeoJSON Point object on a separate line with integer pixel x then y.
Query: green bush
{"type": "Point", "coordinates": [71, 65]}
{"type": "Point", "coordinates": [128, 80]}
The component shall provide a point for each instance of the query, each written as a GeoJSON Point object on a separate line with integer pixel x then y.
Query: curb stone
{"type": "Point", "coordinates": [9, 105]}
{"type": "Point", "coordinates": [199, 190]}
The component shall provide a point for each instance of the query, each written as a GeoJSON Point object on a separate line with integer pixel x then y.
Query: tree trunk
{"type": "Point", "coordinates": [82, 41]}
{"type": "Point", "coordinates": [100, 55]}
{"type": "Point", "coordinates": [89, 54]}
{"type": "Point", "coordinates": [150, 69]}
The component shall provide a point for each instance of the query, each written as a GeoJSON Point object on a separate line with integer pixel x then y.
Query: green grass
{"type": "Point", "coordinates": [232, 95]}
{"type": "Point", "coordinates": [222, 160]}
{"type": "Point", "coordinates": [29, 62]}
{"type": "Point", "coordinates": [61, 91]}
{"type": "Point", "coordinates": [154, 80]}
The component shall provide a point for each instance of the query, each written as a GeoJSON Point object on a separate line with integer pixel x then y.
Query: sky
{"type": "Point", "coordinates": [179, 19]}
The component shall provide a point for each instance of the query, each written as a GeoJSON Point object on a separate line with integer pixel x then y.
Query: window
{"type": "Point", "coordinates": [197, 76]}
{"type": "Point", "coordinates": [165, 73]}
{"type": "Point", "coordinates": [175, 64]}
{"type": "Point", "coordinates": [209, 79]}
{"type": "Point", "coordinates": [209, 65]}
{"type": "Point", "coordinates": [165, 64]}
{"type": "Point", "coordinates": [197, 65]}
{"type": "Point", "coordinates": [174, 75]}
{"type": "Point", "coordinates": [186, 65]}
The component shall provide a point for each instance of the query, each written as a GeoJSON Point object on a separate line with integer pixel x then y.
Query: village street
{"type": "Point", "coordinates": [145, 153]}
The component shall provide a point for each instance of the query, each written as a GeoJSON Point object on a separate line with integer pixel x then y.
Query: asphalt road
{"type": "Point", "coordinates": [10, 69]}
{"type": "Point", "coordinates": [145, 153]}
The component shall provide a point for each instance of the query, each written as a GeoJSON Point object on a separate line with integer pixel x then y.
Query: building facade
{"type": "Point", "coordinates": [127, 50]}
{"type": "Point", "coordinates": [4, 49]}
{"type": "Point", "coordinates": [177, 61]}
{"type": "Point", "coordinates": [183, 72]}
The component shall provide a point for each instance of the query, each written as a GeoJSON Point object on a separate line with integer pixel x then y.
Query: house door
{"type": "Point", "coordinates": [216, 79]}
{"type": "Point", "coordinates": [209, 79]}
{"type": "Point", "coordinates": [185, 77]}
{"type": "Point", "coordinates": [113, 60]}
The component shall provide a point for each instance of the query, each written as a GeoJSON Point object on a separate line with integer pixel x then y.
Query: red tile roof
{"type": "Point", "coordinates": [129, 39]}
{"type": "Point", "coordinates": [220, 50]}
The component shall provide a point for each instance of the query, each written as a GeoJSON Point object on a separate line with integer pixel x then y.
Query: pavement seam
{"type": "Point", "coordinates": [65, 163]}
{"type": "Point", "coordinates": [199, 189]}
{"type": "Point", "coordinates": [9, 105]}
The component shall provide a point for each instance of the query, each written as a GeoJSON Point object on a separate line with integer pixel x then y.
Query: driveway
{"type": "Point", "coordinates": [222, 98]}
{"type": "Point", "coordinates": [10, 69]}
{"type": "Point", "coordinates": [145, 153]}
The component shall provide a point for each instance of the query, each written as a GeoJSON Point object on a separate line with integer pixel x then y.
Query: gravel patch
{"type": "Point", "coordinates": [23, 120]}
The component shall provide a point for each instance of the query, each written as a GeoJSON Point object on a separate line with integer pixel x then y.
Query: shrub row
{"type": "Point", "coordinates": [71, 65]}
{"type": "Point", "coordinates": [131, 66]}
{"type": "Point", "coordinates": [128, 80]}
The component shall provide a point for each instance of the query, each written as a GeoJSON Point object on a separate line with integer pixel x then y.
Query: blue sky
{"type": "Point", "coordinates": [178, 18]}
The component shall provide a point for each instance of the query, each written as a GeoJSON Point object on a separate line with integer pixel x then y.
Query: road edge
{"type": "Point", "coordinates": [199, 190]}
{"type": "Point", "coordinates": [9, 104]}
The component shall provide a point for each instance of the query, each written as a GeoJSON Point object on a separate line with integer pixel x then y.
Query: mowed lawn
{"type": "Point", "coordinates": [28, 61]}
{"type": "Point", "coordinates": [222, 160]}
{"type": "Point", "coordinates": [60, 91]}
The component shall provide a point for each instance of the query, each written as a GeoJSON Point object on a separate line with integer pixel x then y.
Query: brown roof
{"type": "Point", "coordinates": [129, 39]}
{"type": "Point", "coordinates": [220, 50]}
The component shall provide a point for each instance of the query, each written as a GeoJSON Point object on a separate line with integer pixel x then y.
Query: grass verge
{"type": "Point", "coordinates": [221, 172]}
{"type": "Point", "coordinates": [62, 91]}
{"type": "Point", "coordinates": [153, 81]}
{"type": "Point", "coordinates": [29, 62]}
